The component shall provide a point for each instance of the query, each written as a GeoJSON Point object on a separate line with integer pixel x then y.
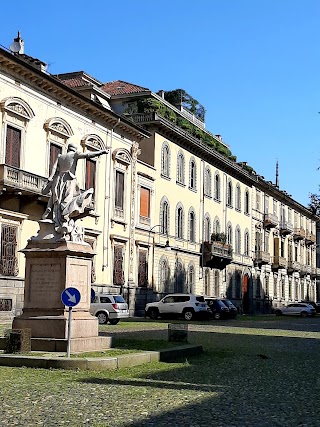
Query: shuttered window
{"type": "Point", "coordinates": [13, 147]}
{"type": "Point", "coordinates": [55, 150]}
{"type": "Point", "coordinates": [145, 202]}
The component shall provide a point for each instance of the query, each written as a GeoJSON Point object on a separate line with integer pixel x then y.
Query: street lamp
{"type": "Point", "coordinates": [166, 248]}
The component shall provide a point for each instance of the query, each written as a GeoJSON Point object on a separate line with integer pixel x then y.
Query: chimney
{"type": "Point", "coordinates": [18, 45]}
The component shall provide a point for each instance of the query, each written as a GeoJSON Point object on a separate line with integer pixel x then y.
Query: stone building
{"type": "Point", "coordinates": [40, 115]}
{"type": "Point", "coordinates": [173, 210]}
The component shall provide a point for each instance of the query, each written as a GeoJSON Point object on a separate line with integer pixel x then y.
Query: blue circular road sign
{"type": "Point", "coordinates": [70, 297]}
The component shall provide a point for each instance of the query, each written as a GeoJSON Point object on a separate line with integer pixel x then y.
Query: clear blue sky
{"type": "Point", "coordinates": [253, 64]}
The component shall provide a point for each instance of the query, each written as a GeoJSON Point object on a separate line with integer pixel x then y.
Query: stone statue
{"type": "Point", "coordinates": [67, 202]}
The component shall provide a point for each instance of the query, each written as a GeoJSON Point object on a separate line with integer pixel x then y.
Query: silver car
{"type": "Point", "coordinates": [109, 308]}
{"type": "Point", "coordinates": [296, 308]}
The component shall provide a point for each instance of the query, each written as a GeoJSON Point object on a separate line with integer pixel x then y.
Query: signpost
{"type": "Point", "coordinates": [70, 297]}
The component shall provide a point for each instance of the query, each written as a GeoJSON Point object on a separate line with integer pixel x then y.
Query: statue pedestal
{"type": "Point", "coordinates": [51, 267]}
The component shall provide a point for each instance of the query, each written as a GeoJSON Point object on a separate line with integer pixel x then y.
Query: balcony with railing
{"type": "Point", "coordinates": [216, 254]}
{"type": "Point", "coordinates": [16, 180]}
{"type": "Point", "coordinates": [278, 262]}
{"type": "Point", "coordinates": [293, 266]}
{"type": "Point", "coordinates": [261, 257]}
{"type": "Point", "coordinates": [270, 220]}
{"type": "Point", "coordinates": [286, 228]}
{"type": "Point", "coordinates": [298, 233]}
{"type": "Point", "coordinates": [310, 238]}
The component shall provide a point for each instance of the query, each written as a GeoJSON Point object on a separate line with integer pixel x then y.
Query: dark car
{"type": "Point", "coordinates": [217, 308]}
{"type": "Point", "coordinates": [232, 308]}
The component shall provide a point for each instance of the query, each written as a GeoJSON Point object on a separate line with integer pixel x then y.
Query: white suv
{"type": "Point", "coordinates": [297, 308]}
{"type": "Point", "coordinates": [109, 308]}
{"type": "Point", "coordinates": [186, 305]}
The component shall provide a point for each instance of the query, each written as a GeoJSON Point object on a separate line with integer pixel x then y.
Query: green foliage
{"type": "Point", "coordinates": [149, 105]}
{"type": "Point", "coordinates": [314, 204]}
{"type": "Point", "coordinates": [219, 237]}
{"type": "Point", "coordinates": [179, 97]}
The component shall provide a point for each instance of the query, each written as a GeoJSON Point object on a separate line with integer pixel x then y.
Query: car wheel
{"type": "Point", "coordinates": [102, 317]}
{"type": "Point", "coordinates": [278, 312]}
{"type": "Point", "coordinates": [114, 321]}
{"type": "Point", "coordinates": [217, 316]}
{"type": "Point", "coordinates": [304, 314]}
{"type": "Point", "coordinates": [153, 313]}
{"type": "Point", "coordinates": [188, 314]}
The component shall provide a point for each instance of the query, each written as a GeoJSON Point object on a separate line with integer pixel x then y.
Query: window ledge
{"type": "Point", "coordinates": [165, 177]}
{"type": "Point", "coordinates": [180, 183]}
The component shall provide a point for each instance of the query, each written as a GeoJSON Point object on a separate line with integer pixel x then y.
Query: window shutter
{"type": "Point", "coordinates": [145, 202]}
{"type": "Point", "coordinates": [55, 150]}
{"type": "Point", "coordinates": [13, 147]}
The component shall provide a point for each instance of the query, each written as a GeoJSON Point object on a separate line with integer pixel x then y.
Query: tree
{"type": "Point", "coordinates": [314, 204]}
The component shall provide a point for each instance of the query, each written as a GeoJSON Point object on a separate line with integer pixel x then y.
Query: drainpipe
{"type": "Point", "coordinates": [106, 223]}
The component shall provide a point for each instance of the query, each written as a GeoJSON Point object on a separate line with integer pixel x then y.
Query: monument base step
{"type": "Point", "coordinates": [77, 345]}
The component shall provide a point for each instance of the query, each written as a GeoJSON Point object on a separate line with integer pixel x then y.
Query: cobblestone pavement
{"type": "Point", "coordinates": [262, 374]}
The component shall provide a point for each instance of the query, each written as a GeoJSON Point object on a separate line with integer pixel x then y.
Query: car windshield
{"type": "Point", "coordinates": [118, 299]}
{"type": "Point", "coordinates": [200, 299]}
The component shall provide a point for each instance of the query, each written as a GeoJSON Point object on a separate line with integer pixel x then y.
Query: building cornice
{"type": "Point", "coordinates": [21, 69]}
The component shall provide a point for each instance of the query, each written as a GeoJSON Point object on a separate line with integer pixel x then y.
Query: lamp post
{"type": "Point", "coordinates": [166, 248]}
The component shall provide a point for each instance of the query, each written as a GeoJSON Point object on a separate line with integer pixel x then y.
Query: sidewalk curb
{"type": "Point", "coordinates": [92, 363]}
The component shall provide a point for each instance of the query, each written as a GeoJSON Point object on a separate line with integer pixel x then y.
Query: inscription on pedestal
{"type": "Point", "coordinates": [45, 284]}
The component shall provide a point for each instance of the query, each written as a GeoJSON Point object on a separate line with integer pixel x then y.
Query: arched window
{"type": "Point", "coordinates": [207, 228]}
{"type": "Point", "coordinates": [216, 225]}
{"type": "Point", "coordinates": [16, 115]}
{"type": "Point", "coordinates": [58, 133]}
{"type": "Point", "coordinates": [191, 278]}
{"type": "Point", "coordinates": [207, 183]}
{"type": "Point", "coordinates": [164, 275]}
{"type": "Point", "coordinates": [192, 225]}
{"type": "Point", "coordinates": [229, 193]}
{"type": "Point", "coordinates": [238, 198]}
{"type": "Point", "coordinates": [246, 243]}
{"type": "Point", "coordinates": [192, 175]}
{"type": "Point", "coordinates": [92, 143]}
{"type": "Point", "coordinates": [165, 160]}
{"type": "Point", "coordinates": [180, 283]}
{"type": "Point", "coordinates": [237, 245]}
{"type": "Point", "coordinates": [246, 202]}
{"type": "Point", "coordinates": [229, 234]}
{"type": "Point", "coordinates": [179, 221]}
{"type": "Point", "coordinates": [217, 187]}
{"type": "Point", "coordinates": [180, 168]}
{"type": "Point", "coordinates": [164, 216]}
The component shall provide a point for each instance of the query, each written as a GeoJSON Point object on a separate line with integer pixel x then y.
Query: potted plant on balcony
{"type": "Point", "coordinates": [219, 238]}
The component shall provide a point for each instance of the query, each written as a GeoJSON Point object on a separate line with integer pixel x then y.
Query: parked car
{"type": "Point", "coordinates": [187, 306]}
{"type": "Point", "coordinates": [233, 311]}
{"type": "Point", "coordinates": [298, 308]}
{"type": "Point", "coordinates": [109, 308]}
{"type": "Point", "coordinates": [315, 305]}
{"type": "Point", "coordinates": [218, 309]}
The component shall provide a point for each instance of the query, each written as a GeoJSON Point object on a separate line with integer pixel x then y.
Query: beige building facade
{"type": "Point", "coordinates": [173, 210]}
